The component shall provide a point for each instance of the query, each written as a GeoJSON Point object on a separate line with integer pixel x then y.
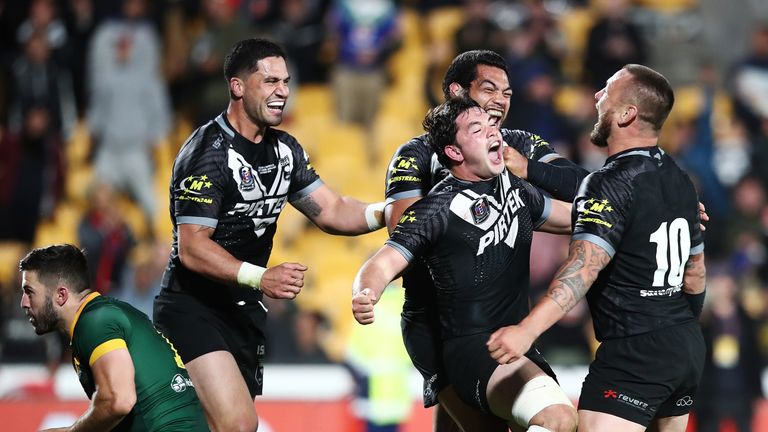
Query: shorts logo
{"type": "Point", "coordinates": [684, 401]}
{"type": "Point", "coordinates": [246, 179]}
{"type": "Point", "coordinates": [179, 383]}
{"type": "Point", "coordinates": [625, 399]}
{"type": "Point", "coordinates": [480, 210]}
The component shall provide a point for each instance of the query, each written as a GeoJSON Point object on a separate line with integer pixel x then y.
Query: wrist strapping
{"type": "Point", "coordinates": [371, 219]}
{"type": "Point", "coordinates": [250, 275]}
{"type": "Point", "coordinates": [696, 301]}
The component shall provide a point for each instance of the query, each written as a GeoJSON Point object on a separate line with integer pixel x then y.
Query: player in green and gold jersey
{"type": "Point", "coordinates": [129, 370]}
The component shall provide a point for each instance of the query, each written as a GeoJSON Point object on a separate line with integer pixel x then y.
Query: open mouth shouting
{"type": "Point", "coordinates": [495, 152]}
{"type": "Point", "coordinates": [276, 107]}
{"type": "Point", "coordinates": [496, 114]}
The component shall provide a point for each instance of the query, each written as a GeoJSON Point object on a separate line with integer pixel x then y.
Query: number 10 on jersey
{"type": "Point", "coordinates": [673, 247]}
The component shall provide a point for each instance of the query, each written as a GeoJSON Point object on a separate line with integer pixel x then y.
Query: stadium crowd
{"type": "Point", "coordinates": [96, 97]}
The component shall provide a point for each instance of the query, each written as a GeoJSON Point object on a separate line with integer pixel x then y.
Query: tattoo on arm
{"type": "Point", "coordinates": [585, 260]}
{"type": "Point", "coordinates": [308, 206]}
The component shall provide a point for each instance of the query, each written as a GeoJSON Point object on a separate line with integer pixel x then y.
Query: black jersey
{"type": "Point", "coordinates": [475, 237]}
{"type": "Point", "coordinates": [643, 210]}
{"type": "Point", "coordinates": [412, 173]}
{"type": "Point", "coordinates": [224, 181]}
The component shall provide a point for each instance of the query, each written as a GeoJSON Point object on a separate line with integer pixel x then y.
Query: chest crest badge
{"type": "Point", "coordinates": [246, 179]}
{"type": "Point", "coordinates": [480, 210]}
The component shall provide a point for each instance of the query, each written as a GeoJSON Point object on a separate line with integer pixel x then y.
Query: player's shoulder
{"type": "Point", "coordinates": [284, 137]}
{"type": "Point", "coordinates": [418, 145]}
{"type": "Point", "coordinates": [521, 140]}
{"type": "Point", "coordinates": [209, 138]}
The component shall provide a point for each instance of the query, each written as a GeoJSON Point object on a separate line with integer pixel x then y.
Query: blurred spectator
{"type": "Point", "coordinates": [365, 33]}
{"type": "Point", "coordinates": [105, 237]}
{"type": "Point", "coordinates": [129, 113]}
{"type": "Point", "coordinates": [730, 386]}
{"type": "Point", "coordinates": [541, 36]}
{"type": "Point", "coordinates": [533, 107]}
{"type": "Point", "coordinates": [31, 174]}
{"type": "Point", "coordinates": [44, 18]}
{"type": "Point", "coordinates": [381, 367]}
{"type": "Point", "coordinates": [745, 230]}
{"type": "Point", "coordinates": [750, 84]}
{"type": "Point", "coordinates": [301, 31]}
{"type": "Point", "coordinates": [478, 31]}
{"type": "Point", "coordinates": [200, 88]}
{"type": "Point", "coordinates": [295, 335]}
{"type": "Point", "coordinates": [38, 80]}
{"type": "Point", "coordinates": [612, 42]}
{"type": "Point", "coordinates": [80, 18]}
{"type": "Point", "coordinates": [142, 277]}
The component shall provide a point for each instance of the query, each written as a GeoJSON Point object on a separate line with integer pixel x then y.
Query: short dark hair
{"type": "Point", "coordinates": [463, 68]}
{"type": "Point", "coordinates": [651, 93]}
{"type": "Point", "coordinates": [440, 123]}
{"type": "Point", "coordinates": [246, 54]}
{"type": "Point", "coordinates": [56, 263]}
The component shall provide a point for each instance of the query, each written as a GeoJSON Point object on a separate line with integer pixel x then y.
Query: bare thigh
{"type": "Point", "coordinates": [670, 424]}
{"type": "Point", "coordinates": [594, 421]}
{"type": "Point", "coordinates": [466, 418]}
{"type": "Point", "coordinates": [222, 391]}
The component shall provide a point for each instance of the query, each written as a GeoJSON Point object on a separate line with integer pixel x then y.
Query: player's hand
{"type": "Point", "coordinates": [283, 281]}
{"type": "Point", "coordinates": [362, 306]}
{"type": "Point", "coordinates": [703, 216]}
{"type": "Point", "coordinates": [510, 343]}
{"type": "Point", "coordinates": [516, 163]}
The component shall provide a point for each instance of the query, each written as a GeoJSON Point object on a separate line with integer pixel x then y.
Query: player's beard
{"type": "Point", "coordinates": [47, 320]}
{"type": "Point", "coordinates": [602, 130]}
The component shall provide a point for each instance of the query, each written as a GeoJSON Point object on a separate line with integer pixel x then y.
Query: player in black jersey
{"type": "Point", "coordinates": [231, 180]}
{"type": "Point", "coordinates": [413, 171]}
{"type": "Point", "coordinates": [474, 231]}
{"type": "Point", "coordinates": [637, 244]}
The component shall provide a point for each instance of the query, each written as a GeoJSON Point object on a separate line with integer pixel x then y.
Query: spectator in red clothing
{"type": "Point", "coordinates": [106, 238]}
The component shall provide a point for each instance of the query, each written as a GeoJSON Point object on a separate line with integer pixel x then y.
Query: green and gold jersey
{"type": "Point", "coordinates": [165, 397]}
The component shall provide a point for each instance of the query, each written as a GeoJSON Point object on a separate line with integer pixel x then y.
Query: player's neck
{"type": "Point", "coordinates": [619, 144]}
{"type": "Point", "coordinates": [240, 121]}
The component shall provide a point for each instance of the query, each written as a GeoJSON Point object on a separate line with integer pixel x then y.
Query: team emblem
{"type": "Point", "coordinates": [246, 179]}
{"type": "Point", "coordinates": [480, 210]}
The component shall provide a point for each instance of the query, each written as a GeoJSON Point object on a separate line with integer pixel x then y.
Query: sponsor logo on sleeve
{"type": "Point", "coordinates": [594, 210]}
{"type": "Point", "coordinates": [193, 188]}
{"type": "Point", "coordinates": [179, 383]}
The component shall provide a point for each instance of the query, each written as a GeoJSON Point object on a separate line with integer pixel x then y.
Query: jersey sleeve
{"type": "Point", "coordinates": [420, 226]}
{"type": "Point", "coordinates": [539, 205]}
{"type": "Point", "coordinates": [408, 174]}
{"type": "Point", "coordinates": [530, 145]}
{"type": "Point", "coordinates": [199, 185]}
{"type": "Point", "coordinates": [304, 178]}
{"type": "Point", "coordinates": [101, 331]}
{"type": "Point", "coordinates": [600, 211]}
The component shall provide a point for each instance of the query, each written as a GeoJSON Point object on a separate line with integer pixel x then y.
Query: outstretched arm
{"type": "Point", "coordinates": [371, 280]}
{"type": "Point", "coordinates": [336, 214]}
{"type": "Point", "coordinates": [559, 220]}
{"type": "Point", "coordinates": [199, 253]}
{"type": "Point", "coordinates": [115, 393]}
{"type": "Point", "coordinates": [559, 177]}
{"type": "Point", "coordinates": [571, 283]}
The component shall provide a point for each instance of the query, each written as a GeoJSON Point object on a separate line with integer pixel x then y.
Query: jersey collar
{"type": "Point", "coordinates": [86, 300]}
{"type": "Point", "coordinates": [649, 152]}
{"type": "Point", "coordinates": [230, 131]}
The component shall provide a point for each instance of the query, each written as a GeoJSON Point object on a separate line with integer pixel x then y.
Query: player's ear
{"type": "Point", "coordinates": [236, 88]}
{"type": "Point", "coordinates": [454, 153]}
{"type": "Point", "coordinates": [455, 89]}
{"type": "Point", "coordinates": [60, 295]}
{"type": "Point", "coordinates": [628, 115]}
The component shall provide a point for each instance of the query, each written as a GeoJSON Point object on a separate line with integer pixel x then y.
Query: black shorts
{"type": "Point", "coordinates": [196, 329]}
{"type": "Point", "coordinates": [470, 366]}
{"type": "Point", "coordinates": [650, 375]}
{"type": "Point", "coordinates": [421, 336]}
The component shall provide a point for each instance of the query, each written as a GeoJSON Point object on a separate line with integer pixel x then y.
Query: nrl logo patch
{"type": "Point", "coordinates": [246, 179]}
{"type": "Point", "coordinates": [480, 210]}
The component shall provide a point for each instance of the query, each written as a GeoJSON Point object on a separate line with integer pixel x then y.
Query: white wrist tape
{"type": "Point", "coordinates": [250, 275]}
{"type": "Point", "coordinates": [370, 215]}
